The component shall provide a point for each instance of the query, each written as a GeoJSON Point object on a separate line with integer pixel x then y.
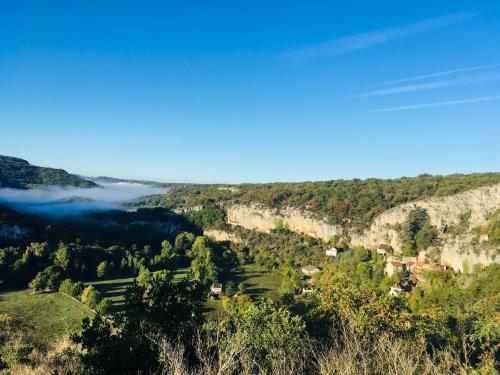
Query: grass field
{"type": "Point", "coordinates": [114, 288]}
{"type": "Point", "coordinates": [258, 284]}
{"type": "Point", "coordinates": [44, 317]}
{"type": "Point", "coordinates": [48, 316]}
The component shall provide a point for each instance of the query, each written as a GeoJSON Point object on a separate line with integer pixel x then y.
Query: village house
{"type": "Point", "coordinates": [394, 266]}
{"type": "Point", "coordinates": [309, 270]}
{"type": "Point", "coordinates": [216, 288]}
{"type": "Point", "coordinates": [332, 252]}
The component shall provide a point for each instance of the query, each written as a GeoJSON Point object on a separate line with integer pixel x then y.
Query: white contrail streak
{"type": "Point", "coordinates": [438, 104]}
{"type": "Point", "coordinates": [443, 73]}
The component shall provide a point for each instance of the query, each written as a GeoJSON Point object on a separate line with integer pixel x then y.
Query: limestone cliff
{"type": "Point", "coordinates": [444, 212]}
{"type": "Point", "coordinates": [460, 253]}
{"type": "Point", "coordinates": [222, 235]}
{"type": "Point", "coordinates": [259, 217]}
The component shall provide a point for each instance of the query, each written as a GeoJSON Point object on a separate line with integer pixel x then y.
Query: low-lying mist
{"type": "Point", "coordinates": [71, 201]}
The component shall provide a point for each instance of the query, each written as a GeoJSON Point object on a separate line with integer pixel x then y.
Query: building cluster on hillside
{"type": "Point", "coordinates": [413, 266]}
{"type": "Point", "coordinates": [409, 267]}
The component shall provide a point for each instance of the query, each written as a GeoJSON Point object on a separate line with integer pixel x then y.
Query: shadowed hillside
{"type": "Point", "coordinates": [20, 174]}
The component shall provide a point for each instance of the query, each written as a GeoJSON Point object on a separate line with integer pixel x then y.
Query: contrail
{"type": "Point", "coordinates": [369, 39]}
{"type": "Point", "coordinates": [439, 74]}
{"type": "Point", "coordinates": [432, 85]}
{"type": "Point", "coordinates": [438, 104]}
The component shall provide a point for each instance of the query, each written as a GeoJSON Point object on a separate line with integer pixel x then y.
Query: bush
{"type": "Point", "coordinates": [66, 286]}
{"type": "Point", "coordinates": [102, 269]}
{"type": "Point", "coordinates": [241, 287]}
{"type": "Point", "coordinates": [104, 306]}
{"type": "Point", "coordinates": [72, 289]}
{"type": "Point", "coordinates": [91, 297]}
{"type": "Point", "coordinates": [47, 280]}
{"type": "Point", "coordinates": [230, 288]}
{"type": "Point", "coordinates": [77, 289]}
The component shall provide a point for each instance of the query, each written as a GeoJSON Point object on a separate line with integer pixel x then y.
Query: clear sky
{"type": "Point", "coordinates": [245, 91]}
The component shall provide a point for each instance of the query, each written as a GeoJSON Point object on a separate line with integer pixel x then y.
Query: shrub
{"type": "Point", "coordinates": [91, 297]}
{"type": "Point", "coordinates": [241, 287]}
{"type": "Point", "coordinates": [72, 289]}
{"type": "Point", "coordinates": [47, 280]}
{"type": "Point", "coordinates": [102, 269]}
{"type": "Point", "coordinates": [104, 306]}
{"type": "Point", "coordinates": [230, 288]}
{"type": "Point", "coordinates": [66, 286]}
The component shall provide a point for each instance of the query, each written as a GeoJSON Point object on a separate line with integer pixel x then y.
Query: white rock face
{"type": "Point", "coordinates": [443, 211]}
{"type": "Point", "coordinates": [461, 255]}
{"type": "Point", "coordinates": [261, 218]}
{"type": "Point", "coordinates": [221, 235]}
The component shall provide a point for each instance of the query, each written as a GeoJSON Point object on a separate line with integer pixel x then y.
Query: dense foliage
{"type": "Point", "coordinates": [347, 322]}
{"type": "Point", "coordinates": [18, 173]}
{"type": "Point", "coordinates": [417, 233]}
{"type": "Point", "coordinates": [355, 202]}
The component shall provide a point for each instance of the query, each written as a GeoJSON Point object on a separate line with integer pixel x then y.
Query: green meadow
{"type": "Point", "coordinates": [44, 317]}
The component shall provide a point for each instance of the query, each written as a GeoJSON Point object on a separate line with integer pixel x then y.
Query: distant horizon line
{"type": "Point", "coordinates": [149, 180]}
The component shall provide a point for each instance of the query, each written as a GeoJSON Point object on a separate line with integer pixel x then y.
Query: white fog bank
{"type": "Point", "coordinates": [66, 201]}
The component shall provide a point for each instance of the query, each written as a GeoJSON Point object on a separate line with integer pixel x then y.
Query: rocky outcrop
{"type": "Point", "coordinates": [185, 210]}
{"type": "Point", "coordinates": [261, 218]}
{"type": "Point", "coordinates": [444, 212]}
{"type": "Point", "coordinates": [462, 255]}
{"type": "Point", "coordinates": [222, 235]}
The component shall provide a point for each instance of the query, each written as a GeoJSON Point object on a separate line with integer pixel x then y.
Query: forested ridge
{"type": "Point", "coordinates": [339, 201]}
{"type": "Point", "coordinates": [20, 174]}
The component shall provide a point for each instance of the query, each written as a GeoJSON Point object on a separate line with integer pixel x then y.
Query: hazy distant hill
{"type": "Point", "coordinates": [20, 174]}
{"type": "Point", "coordinates": [105, 179]}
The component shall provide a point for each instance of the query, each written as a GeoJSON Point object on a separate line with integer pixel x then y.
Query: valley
{"type": "Point", "coordinates": [117, 266]}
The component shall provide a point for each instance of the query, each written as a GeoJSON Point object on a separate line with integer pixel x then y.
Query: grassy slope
{"type": "Point", "coordinates": [258, 284]}
{"type": "Point", "coordinates": [44, 317]}
{"type": "Point", "coordinates": [114, 288]}
{"type": "Point", "coordinates": [48, 316]}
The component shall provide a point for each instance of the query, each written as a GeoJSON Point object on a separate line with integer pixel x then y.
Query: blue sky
{"type": "Point", "coordinates": [232, 91]}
